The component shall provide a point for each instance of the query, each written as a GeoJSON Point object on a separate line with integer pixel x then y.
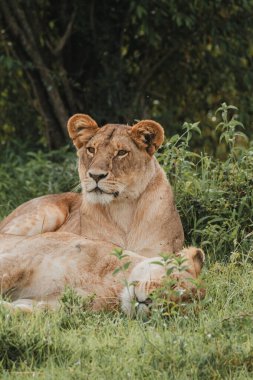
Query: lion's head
{"type": "Point", "coordinates": [115, 160]}
{"type": "Point", "coordinates": [175, 282]}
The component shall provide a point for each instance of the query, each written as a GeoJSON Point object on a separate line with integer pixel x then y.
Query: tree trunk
{"type": "Point", "coordinates": [54, 108]}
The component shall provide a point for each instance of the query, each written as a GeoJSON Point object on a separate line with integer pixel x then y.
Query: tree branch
{"type": "Point", "coordinates": [62, 42]}
{"type": "Point", "coordinates": [21, 18]}
{"type": "Point", "coordinates": [34, 53]}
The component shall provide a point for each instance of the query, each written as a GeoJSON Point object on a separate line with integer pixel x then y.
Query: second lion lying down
{"type": "Point", "coordinates": [34, 272]}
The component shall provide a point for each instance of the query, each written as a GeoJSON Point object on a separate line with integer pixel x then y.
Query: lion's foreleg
{"type": "Point", "coordinates": [27, 305]}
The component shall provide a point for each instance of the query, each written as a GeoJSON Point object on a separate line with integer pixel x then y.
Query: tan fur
{"type": "Point", "coordinates": [133, 207]}
{"type": "Point", "coordinates": [77, 125]}
{"type": "Point", "coordinates": [66, 239]}
{"type": "Point", "coordinates": [35, 270]}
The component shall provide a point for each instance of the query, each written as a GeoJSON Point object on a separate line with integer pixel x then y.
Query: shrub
{"type": "Point", "coordinates": [34, 174]}
{"type": "Point", "coordinates": [214, 197]}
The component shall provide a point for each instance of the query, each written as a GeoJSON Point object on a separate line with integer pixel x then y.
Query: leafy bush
{"type": "Point", "coordinates": [34, 174]}
{"type": "Point", "coordinates": [214, 197]}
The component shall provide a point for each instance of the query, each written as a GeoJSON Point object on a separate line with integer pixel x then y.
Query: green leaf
{"type": "Point", "coordinates": [169, 271]}
{"type": "Point", "coordinates": [117, 270]}
{"type": "Point", "coordinates": [126, 265]}
{"type": "Point", "coordinates": [157, 263]}
{"type": "Point", "coordinates": [232, 107]}
{"type": "Point", "coordinates": [195, 127]}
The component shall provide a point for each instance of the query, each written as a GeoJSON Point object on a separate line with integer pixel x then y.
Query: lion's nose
{"type": "Point", "coordinates": [148, 302]}
{"type": "Point", "coordinates": [97, 176]}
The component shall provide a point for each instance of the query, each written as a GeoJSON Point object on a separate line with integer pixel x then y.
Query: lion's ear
{"type": "Point", "coordinates": [81, 129]}
{"type": "Point", "coordinates": [198, 257]}
{"type": "Point", "coordinates": [148, 134]}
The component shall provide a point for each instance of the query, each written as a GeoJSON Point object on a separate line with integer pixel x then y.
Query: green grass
{"type": "Point", "coordinates": [211, 339]}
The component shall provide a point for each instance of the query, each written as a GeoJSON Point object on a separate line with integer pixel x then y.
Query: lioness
{"type": "Point", "coordinates": [34, 271]}
{"type": "Point", "coordinates": [126, 198]}
{"type": "Point", "coordinates": [67, 239]}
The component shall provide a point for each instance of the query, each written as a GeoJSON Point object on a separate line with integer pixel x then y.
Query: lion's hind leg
{"type": "Point", "coordinates": [39, 215]}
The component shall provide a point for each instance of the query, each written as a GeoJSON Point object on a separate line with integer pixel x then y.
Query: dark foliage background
{"type": "Point", "coordinates": [121, 60]}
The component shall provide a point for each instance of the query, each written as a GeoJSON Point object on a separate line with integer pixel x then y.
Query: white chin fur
{"type": "Point", "coordinates": [102, 199]}
{"type": "Point", "coordinates": [130, 306]}
{"type": "Point", "coordinates": [127, 300]}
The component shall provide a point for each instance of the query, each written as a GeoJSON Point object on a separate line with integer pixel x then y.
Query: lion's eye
{"type": "Point", "coordinates": [122, 152]}
{"type": "Point", "coordinates": [91, 150]}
